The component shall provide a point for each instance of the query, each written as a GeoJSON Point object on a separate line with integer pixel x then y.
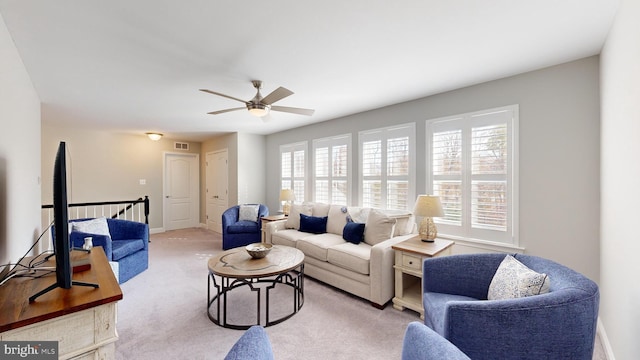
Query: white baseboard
{"type": "Point", "coordinates": [604, 340]}
{"type": "Point", "coordinates": [156, 230]}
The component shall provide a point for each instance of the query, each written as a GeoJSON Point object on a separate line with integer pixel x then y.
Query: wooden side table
{"type": "Point", "coordinates": [408, 270]}
{"type": "Point", "coordinates": [267, 219]}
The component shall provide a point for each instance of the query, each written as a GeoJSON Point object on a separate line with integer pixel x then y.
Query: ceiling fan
{"type": "Point", "coordinates": [260, 106]}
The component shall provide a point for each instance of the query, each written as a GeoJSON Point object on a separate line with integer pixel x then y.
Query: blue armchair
{"type": "Point", "coordinates": [560, 324]}
{"type": "Point", "coordinates": [254, 344]}
{"type": "Point", "coordinates": [128, 245]}
{"type": "Point", "coordinates": [236, 233]}
{"type": "Point", "coordinates": [422, 343]}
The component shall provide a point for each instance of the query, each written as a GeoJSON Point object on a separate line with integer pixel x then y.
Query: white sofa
{"type": "Point", "coordinates": [364, 269]}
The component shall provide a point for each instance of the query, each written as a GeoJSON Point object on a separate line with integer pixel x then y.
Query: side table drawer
{"type": "Point", "coordinates": [412, 262]}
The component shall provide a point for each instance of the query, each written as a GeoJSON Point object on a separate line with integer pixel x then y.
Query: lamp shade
{"type": "Point", "coordinates": [428, 206]}
{"type": "Point", "coordinates": [287, 195]}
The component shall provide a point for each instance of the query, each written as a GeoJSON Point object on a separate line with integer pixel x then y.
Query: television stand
{"type": "Point", "coordinates": [81, 319]}
{"type": "Point", "coordinates": [55, 286]}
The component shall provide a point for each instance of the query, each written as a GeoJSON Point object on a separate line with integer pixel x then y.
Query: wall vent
{"type": "Point", "coordinates": [180, 146]}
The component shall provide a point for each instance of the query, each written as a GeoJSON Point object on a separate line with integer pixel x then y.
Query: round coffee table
{"type": "Point", "coordinates": [284, 265]}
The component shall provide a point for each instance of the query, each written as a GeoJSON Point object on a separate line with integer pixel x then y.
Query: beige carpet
{"type": "Point", "coordinates": [163, 313]}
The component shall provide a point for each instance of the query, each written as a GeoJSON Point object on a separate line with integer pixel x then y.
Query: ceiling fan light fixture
{"type": "Point", "coordinates": [258, 110]}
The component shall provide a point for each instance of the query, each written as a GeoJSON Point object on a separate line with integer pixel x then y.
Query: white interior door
{"type": "Point", "coordinates": [181, 205]}
{"type": "Point", "coordinates": [217, 188]}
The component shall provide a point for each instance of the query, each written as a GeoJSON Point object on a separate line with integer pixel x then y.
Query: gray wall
{"type": "Point", "coordinates": [19, 154]}
{"type": "Point", "coordinates": [558, 155]}
{"type": "Point", "coordinates": [619, 289]}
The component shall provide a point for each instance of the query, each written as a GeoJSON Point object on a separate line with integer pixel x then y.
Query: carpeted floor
{"type": "Point", "coordinates": [163, 313]}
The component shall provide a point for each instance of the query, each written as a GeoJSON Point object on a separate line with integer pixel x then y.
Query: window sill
{"type": "Point", "coordinates": [484, 244]}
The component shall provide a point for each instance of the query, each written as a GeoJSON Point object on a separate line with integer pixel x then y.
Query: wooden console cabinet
{"type": "Point", "coordinates": [82, 319]}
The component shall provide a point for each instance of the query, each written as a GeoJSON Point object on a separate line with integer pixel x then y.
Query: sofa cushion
{"type": "Point", "coordinates": [293, 220]}
{"type": "Point", "coordinates": [123, 248]}
{"type": "Point", "coordinates": [242, 227]}
{"type": "Point", "coordinates": [320, 209]}
{"type": "Point", "coordinates": [358, 214]}
{"type": "Point", "coordinates": [96, 226]}
{"type": "Point", "coordinates": [316, 246]}
{"type": "Point", "coordinates": [248, 212]}
{"type": "Point", "coordinates": [379, 227]}
{"type": "Point", "coordinates": [353, 232]}
{"type": "Point", "coordinates": [337, 218]}
{"type": "Point", "coordinates": [313, 224]}
{"type": "Point", "coordinates": [514, 280]}
{"type": "Point", "coordinates": [351, 257]}
{"type": "Point", "coordinates": [288, 237]}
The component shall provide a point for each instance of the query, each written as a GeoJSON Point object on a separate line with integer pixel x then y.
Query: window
{"type": "Point", "coordinates": [387, 163]}
{"type": "Point", "coordinates": [292, 168]}
{"type": "Point", "coordinates": [472, 168]}
{"type": "Point", "coordinates": [332, 170]}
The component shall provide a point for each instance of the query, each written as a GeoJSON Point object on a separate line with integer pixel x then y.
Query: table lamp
{"type": "Point", "coordinates": [428, 207]}
{"type": "Point", "coordinates": [287, 196]}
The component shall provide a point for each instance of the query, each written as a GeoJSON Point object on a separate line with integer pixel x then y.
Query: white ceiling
{"type": "Point", "coordinates": [136, 66]}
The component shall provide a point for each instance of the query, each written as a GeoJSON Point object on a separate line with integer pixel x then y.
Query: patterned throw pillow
{"type": "Point", "coordinates": [96, 226]}
{"type": "Point", "coordinates": [248, 213]}
{"type": "Point", "coordinates": [514, 280]}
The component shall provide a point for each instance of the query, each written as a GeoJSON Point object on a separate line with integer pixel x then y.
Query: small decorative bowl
{"type": "Point", "coordinates": [258, 250]}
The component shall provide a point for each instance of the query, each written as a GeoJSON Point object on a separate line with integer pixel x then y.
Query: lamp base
{"type": "Point", "coordinates": [427, 240]}
{"type": "Point", "coordinates": [428, 230]}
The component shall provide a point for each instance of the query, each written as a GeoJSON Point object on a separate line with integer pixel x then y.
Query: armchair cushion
{"type": "Point", "coordinates": [248, 212]}
{"type": "Point", "coordinates": [96, 226]}
{"type": "Point", "coordinates": [514, 280]}
{"type": "Point", "coordinates": [243, 227]}
{"type": "Point", "coordinates": [122, 248]}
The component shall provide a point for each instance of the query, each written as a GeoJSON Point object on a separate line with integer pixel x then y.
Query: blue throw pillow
{"type": "Point", "coordinates": [353, 232]}
{"type": "Point", "coordinates": [313, 224]}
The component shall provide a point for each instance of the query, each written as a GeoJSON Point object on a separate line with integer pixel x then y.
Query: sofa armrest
{"type": "Point", "coordinates": [76, 238]}
{"type": "Point", "coordinates": [381, 269]}
{"type": "Point", "coordinates": [422, 343]}
{"type": "Point", "coordinates": [272, 227]}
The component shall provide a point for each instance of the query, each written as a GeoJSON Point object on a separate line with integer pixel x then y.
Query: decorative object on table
{"type": "Point", "coordinates": [287, 196]}
{"type": "Point", "coordinates": [258, 250]}
{"type": "Point", "coordinates": [428, 207]}
{"type": "Point", "coordinates": [88, 243]}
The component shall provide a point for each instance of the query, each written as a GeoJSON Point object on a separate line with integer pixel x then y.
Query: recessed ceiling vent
{"type": "Point", "coordinates": [180, 146]}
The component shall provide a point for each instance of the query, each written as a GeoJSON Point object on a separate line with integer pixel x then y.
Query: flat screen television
{"type": "Point", "coordinates": [62, 246]}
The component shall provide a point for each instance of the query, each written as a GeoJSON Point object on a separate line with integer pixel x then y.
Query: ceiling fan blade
{"type": "Point", "coordinates": [276, 95]}
{"type": "Point", "coordinates": [223, 95]}
{"type": "Point", "coordinates": [225, 111]}
{"type": "Point", "coordinates": [293, 110]}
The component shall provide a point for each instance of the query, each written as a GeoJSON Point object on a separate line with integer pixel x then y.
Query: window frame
{"type": "Point", "coordinates": [330, 143]}
{"type": "Point", "coordinates": [383, 135]}
{"type": "Point", "coordinates": [466, 122]}
{"type": "Point", "coordinates": [292, 149]}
